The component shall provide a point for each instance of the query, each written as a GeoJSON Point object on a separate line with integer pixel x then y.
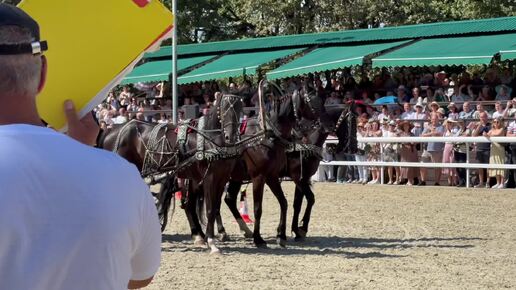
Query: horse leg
{"type": "Point", "coordinates": [223, 236]}
{"type": "Point", "coordinates": [213, 195]}
{"type": "Point", "coordinates": [298, 202]}
{"type": "Point", "coordinates": [193, 218]}
{"type": "Point", "coordinates": [258, 184]}
{"type": "Point", "coordinates": [275, 186]}
{"type": "Point", "coordinates": [231, 200]}
{"type": "Point", "coordinates": [310, 201]}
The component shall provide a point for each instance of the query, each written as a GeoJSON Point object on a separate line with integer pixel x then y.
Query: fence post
{"type": "Point", "coordinates": [467, 162]}
{"type": "Point", "coordinates": [382, 171]}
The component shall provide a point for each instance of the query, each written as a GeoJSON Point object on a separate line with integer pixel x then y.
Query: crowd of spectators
{"type": "Point", "coordinates": [426, 104]}
{"type": "Point", "coordinates": [431, 105]}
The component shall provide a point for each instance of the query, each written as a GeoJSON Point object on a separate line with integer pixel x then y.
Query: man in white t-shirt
{"type": "Point", "coordinates": [499, 110]}
{"type": "Point", "coordinates": [71, 216]}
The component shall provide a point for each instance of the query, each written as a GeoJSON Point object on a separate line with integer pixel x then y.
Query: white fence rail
{"type": "Point", "coordinates": [467, 165]}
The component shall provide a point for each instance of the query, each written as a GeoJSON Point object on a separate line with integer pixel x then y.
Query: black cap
{"type": "Point", "coordinates": [14, 16]}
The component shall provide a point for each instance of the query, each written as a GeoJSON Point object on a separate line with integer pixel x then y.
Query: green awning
{"type": "Point", "coordinates": [155, 71]}
{"type": "Point", "coordinates": [329, 58]}
{"type": "Point", "coordinates": [448, 51]}
{"type": "Point", "coordinates": [234, 65]}
{"type": "Point", "coordinates": [348, 37]}
{"type": "Point", "coordinates": [507, 54]}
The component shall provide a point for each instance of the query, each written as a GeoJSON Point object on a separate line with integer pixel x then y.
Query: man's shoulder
{"type": "Point", "coordinates": [51, 145]}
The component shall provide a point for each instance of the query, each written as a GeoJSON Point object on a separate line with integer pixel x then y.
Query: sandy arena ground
{"type": "Point", "coordinates": [375, 237]}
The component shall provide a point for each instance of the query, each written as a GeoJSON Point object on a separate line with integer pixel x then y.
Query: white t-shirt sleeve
{"type": "Point", "coordinates": [146, 259]}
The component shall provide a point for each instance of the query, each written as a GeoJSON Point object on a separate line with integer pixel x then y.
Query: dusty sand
{"type": "Point", "coordinates": [381, 237]}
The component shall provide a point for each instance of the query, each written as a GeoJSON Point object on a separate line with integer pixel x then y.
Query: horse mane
{"type": "Point", "coordinates": [212, 117]}
{"type": "Point", "coordinates": [285, 105]}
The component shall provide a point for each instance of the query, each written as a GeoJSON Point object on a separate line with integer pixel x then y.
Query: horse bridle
{"type": "Point", "coordinates": [233, 99]}
{"type": "Point", "coordinates": [315, 123]}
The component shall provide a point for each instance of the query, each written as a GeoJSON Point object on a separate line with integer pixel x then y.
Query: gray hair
{"type": "Point", "coordinates": [19, 74]}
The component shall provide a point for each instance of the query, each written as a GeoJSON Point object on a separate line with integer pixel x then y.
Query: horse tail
{"type": "Point", "coordinates": [200, 208]}
{"type": "Point", "coordinates": [352, 132]}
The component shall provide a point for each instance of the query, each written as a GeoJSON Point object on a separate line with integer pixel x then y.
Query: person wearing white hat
{"type": "Point", "coordinates": [434, 106]}
{"type": "Point", "coordinates": [441, 113]}
{"type": "Point", "coordinates": [419, 115]}
{"type": "Point", "coordinates": [434, 150]}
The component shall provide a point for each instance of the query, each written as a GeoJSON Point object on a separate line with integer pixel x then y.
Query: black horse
{"type": "Point", "coordinates": [195, 150]}
{"type": "Point", "coordinates": [264, 162]}
{"type": "Point", "coordinates": [302, 161]}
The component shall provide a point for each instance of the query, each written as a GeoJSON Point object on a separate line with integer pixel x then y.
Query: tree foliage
{"type": "Point", "coordinates": [233, 19]}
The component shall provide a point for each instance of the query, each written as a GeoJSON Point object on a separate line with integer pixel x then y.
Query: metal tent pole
{"type": "Point", "coordinates": [175, 102]}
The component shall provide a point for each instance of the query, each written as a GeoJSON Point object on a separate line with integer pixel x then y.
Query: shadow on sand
{"type": "Point", "coordinates": [352, 248]}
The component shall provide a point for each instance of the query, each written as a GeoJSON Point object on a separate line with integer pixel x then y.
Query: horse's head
{"type": "Point", "coordinates": [229, 110]}
{"type": "Point", "coordinates": [307, 105]}
{"type": "Point", "coordinates": [342, 123]}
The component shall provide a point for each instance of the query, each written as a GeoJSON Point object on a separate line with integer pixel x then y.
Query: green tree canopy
{"type": "Point", "coordinates": [234, 19]}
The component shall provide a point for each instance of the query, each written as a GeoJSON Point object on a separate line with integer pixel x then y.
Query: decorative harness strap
{"type": "Point", "coordinates": [182, 135]}
{"type": "Point", "coordinates": [156, 149]}
{"type": "Point", "coordinates": [306, 150]}
{"type": "Point", "coordinates": [200, 139]}
{"type": "Point", "coordinates": [341, 119]}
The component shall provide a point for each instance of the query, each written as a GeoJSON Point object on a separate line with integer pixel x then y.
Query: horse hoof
{"type": "Point", "coordinates": [248, 235]}
{"type": "Point", "coordinates": [260, 243]}
{"type": "Point", "coordinates": [302, 233]}
{"type": "Point", "coordinates": [223, 237]}
{"type": "Point", "coordinates": [299, 238]}
{"type": "Point", "coordinates": [281, 242]}
{"type": "Point", "coordinates": [199, 242]}
{"type": "Point", "coordinates": [215, 252]}
{"type": "Point", "coordinates": [262, 246]}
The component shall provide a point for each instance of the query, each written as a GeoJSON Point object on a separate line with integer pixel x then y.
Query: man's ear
{"type": "Point", "coordinates": [43, 74]}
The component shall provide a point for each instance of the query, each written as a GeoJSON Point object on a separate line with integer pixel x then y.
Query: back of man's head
{"type": "Point", "coordinates": [20, 73]}
{"type": "Point", "coordinates": [20, 66]}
